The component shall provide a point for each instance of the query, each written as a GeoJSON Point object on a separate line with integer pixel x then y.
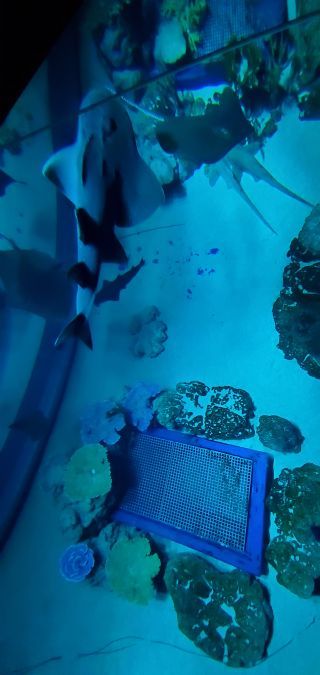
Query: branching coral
{"type": "Point", "coordinates": [88, 473]}
{"type": "Point", "coordinates": [130, 569]}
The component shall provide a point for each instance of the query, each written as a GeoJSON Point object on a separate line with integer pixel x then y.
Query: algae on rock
{"type": "Point", "coordinates": [295, 553]}
{"type": "Point", "coordinates": [226, 614]}
{"type": "Point", "coordinates": [213, 412]}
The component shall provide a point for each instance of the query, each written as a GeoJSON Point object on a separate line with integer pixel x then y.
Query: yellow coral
{"type": "Point", "coordinates": [88, 473]}
{"type": "Point", "coordinates": [130, 569]}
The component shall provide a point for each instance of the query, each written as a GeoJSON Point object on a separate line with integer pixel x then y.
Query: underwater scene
{"type": "Point", "coordinates": [160, 344]}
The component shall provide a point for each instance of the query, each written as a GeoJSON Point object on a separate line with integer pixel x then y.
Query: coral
{"type": "Point", "coordinates": [214, 412]}
{"type": "Point", "coordinates": [101, 423]}
{"type": "Point", "coordinates": [297, 565]}
{"type": "Point", "coordinates": [76, 562]}
{"type": "Point", "coordinates": [296, 311]}
{"type": "Point", "coordinates": [190, 14]}
{"type": "Point", "coordinates": [226, 614]}
{"type": "Point", "coordinates": [168, 407]}
{"type": "Point", "coordinates": [278, 433]}
{"type": "Point", "coordinates": [309, 235]}
{"type": "Point", "coordinates": [88, 473]}
{"type": "Point", "coordinates": [138, 404]}
{"type": "Point", "coordinates": [131, 567]}
{"type": "Point", "coordinates": [229, 414]}
{"type": "Point", "coordinates": [295, 501]}
{"type": "Point", "coordinates": [149, 333]}
{"type": "Point", "coordinates": [295, 553]}
{"type": "Point", "coordinates": [170, 44]}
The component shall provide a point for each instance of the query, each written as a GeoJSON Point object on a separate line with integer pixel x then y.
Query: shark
{"type": "Point", "coordinates": [35, 282]}
{"type": "Point", "coordinates": [110, 185]}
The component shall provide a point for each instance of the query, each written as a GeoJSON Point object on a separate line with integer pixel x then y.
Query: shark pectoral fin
{"type": "Point", "coordinates": [60, 170]}
{"type": "Point", "coordinates": [77, 328]}
{"type": "Point", "coordinates": [82, 276]}
{"type": "Point", "coordinates": [142, 192]}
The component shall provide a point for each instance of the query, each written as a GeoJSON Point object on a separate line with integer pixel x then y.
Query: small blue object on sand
{"type": "Point", "coordinates": [203, 494]}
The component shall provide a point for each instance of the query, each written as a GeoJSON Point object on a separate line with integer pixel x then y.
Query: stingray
{"type": "Point", "coordinates": [111, 289]}
{"type": "Point", "coordinates": [205, 139]}
{"type": "Point", "coordinates": [241, 160]}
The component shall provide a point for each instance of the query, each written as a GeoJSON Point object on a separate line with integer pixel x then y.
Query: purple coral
{"type": "Point", "coordinates": [137, 403]}
{"type": "Point", "coordinates": [101, 423]}
{"type": "Point", "coordinates": [76, 562]}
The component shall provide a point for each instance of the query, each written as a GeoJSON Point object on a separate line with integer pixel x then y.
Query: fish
{"type": "Point", "coordinates": [111, 290]}
{"type": "Point", "coordinates": [35, 282]}
{"type": "Point", "coordinates": [109, 184]}
{"type": "Point", "coordinates": [206, 139]}
{"type": "Point", "coordinates": [35, 425]}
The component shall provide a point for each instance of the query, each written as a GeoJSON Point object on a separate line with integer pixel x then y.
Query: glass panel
{"type": "Point", "coordinates": [161, 270]}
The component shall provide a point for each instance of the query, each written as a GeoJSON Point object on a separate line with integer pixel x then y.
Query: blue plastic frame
{"type": "Point", "coordinates": [252, 559]}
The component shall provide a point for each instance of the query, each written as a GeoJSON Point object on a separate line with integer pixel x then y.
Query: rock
{"type": "Point", "coordinates": [170, 45]}
{"type": "Point", "coordinates": [296, 312]}
{"type": "Point", "coordinates": [298, 325]}
{"type": "Point", "coordinates": [298, 566]}
{"type": "Point", "coordinates": [309, 235]}
{"type": "Point", "coordinates": [229, 413]}
{"type": "Point", "coordinates": [226, 614]}
{"type": "Point", "coordinates": [278, 433]}
{"type": "Point", "coordinates": [149, 333]}
{"type": "Point", "coordinates": [213, 412]}
{"type": "Point", "coordinates": [168, 407]}
{"type": "Point", "coordinates": [295, 553]}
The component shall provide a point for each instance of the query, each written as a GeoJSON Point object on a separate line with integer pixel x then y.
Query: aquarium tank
{"type": "Point", "coordinates": [160, 341]}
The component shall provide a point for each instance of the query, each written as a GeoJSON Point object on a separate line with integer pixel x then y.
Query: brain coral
{"type": "Point", "coordinates": [131, 568]}
{"type": "Point", "coordinates": [88, 473]}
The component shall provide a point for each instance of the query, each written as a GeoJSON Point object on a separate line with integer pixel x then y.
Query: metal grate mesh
{"type": "Point", "coordinates": [196, 489]}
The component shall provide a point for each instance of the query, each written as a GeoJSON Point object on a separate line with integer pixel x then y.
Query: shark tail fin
{"type": "Point", "coordinates": [77, 328]}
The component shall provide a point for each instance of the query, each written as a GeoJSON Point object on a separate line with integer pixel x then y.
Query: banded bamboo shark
{"type": "Point", "coordinates": [110, 185]}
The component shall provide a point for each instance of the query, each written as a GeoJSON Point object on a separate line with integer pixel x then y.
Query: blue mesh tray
{"type": "Point", "coordinates": [203, 494]}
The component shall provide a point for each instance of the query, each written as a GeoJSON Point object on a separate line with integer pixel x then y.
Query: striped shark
{"type": "Point", "coordinates": [110, 185]}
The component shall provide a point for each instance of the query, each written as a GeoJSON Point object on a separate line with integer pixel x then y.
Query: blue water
{"type": "Point", "coordinates": [199, 248]}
